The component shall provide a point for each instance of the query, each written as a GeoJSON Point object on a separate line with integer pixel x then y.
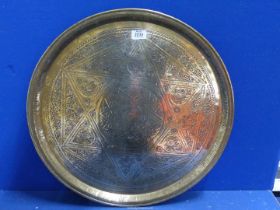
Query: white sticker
{"type": "Point", "coordinates": [276, 187]}
{"type": "Point", "coordinates": [138, 34]}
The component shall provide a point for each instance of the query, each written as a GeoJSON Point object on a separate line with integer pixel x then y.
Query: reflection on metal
{"type": "Point", "coordinates": [130, 112]}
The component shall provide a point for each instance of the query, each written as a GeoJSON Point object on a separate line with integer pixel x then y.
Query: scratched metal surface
{"type": "Point", "coordinates": [128, 107]}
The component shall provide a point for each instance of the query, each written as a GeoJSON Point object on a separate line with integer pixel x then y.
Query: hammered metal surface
{"type": "Point", "coordinates": [130, 108]}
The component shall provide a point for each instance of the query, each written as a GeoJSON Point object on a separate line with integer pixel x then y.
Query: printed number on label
{"type": "Point", "coordinates": [138, 34]}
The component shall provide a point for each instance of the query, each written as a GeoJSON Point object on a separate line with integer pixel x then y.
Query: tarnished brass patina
{"type": "Point", "coordinates": [130, 107]}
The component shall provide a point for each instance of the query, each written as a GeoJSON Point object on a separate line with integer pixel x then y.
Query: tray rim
{"type": "Point", "coordinates": [134, 14]}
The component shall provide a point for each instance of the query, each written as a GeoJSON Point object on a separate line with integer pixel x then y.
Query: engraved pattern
{"type": "Point", "coordinates": [132, 115]}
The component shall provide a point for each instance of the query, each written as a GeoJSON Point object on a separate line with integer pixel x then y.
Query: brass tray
{"type": "Point", "coordinates": [130, 107]}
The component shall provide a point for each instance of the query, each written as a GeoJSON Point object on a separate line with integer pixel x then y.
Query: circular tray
{"type": "Point", "coordinates": [130, 107]}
